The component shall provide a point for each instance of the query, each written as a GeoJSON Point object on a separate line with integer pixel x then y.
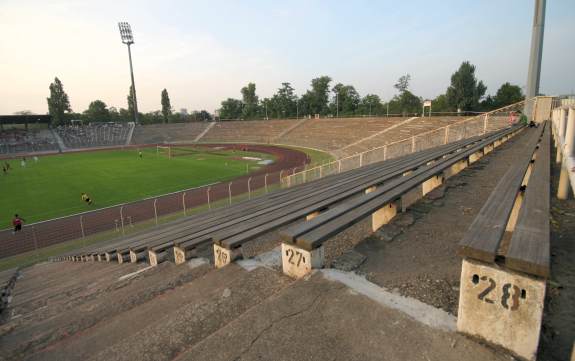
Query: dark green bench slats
{"type": "Point", "coordinates": [483, 237]}
{"type": "Point", "coordinates": [529, 247]}
{"type": "Point", "coordinates": [312, 234]}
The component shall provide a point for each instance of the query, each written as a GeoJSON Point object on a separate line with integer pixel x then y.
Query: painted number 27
{"type": "Point", "coordinates": [294, 257]}
{"type": "Point", "coordinates": [510, 297]}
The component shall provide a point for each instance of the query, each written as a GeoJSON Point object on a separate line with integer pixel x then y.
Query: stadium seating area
{"type": "Point", "coordinates": [173, 132]}
{"type": "Point", "coordinates": [22, 141]}
{"type": "Point", "coordinates": [94, 134]}
{"type": "Point", "coordinates": [248, 131]}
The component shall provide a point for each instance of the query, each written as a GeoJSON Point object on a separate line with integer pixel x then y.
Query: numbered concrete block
{"type": "Point", "coordinates": [383, 216]}
{"type": "Point", "coordinates": [410, 197]}
{"type": "Point", "coordinates": [475, 156]}
{"type": "Point", "coordinates": [370, 189]}
{"type": "Point", "coordinates": [431, 184]}
{"type": "Point", "coordinates": [181, 255]}
{"type": "Point", "coordinates": [501, 306]}
{"type": "Point", "coordinates": [488, 148]}
{"type": "Point", "coordinates": [133, 256]}
{"type": "Point", "coordinates": [312, 215]}
{"type": "Point", "coordinates": [157, 257]}
{"type": "Point", "coordinates": [224, 256]}
{"type": "Point", "coordinates": [297, 262]}
{"type": "Point", "coordinates": [455, 169]}
{"type": "Point", "coordinates": [99, 258]}
{"type": "Point", "coordinates": [110, 256]}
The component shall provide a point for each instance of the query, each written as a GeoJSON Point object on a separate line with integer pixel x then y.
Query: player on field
{"type": "Point", "coordinates": [86, 198]}
{"type": "Point", "coordinates": [17, 223]}
{"type": "Point", "coordinates": [140, 154]}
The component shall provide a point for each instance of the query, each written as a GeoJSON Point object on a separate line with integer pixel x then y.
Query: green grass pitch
{"type": "Point", "coordinates": [52, 186]}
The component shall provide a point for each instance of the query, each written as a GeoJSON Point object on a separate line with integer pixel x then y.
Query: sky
{"type": "Point", "coordinates": [203, 52]}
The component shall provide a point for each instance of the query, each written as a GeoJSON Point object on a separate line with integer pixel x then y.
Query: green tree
{"type": "Point", "coordinates": [465, 91]}
{"type": "Point", "coordinates": [440, 105]}
{"type": "Point", "coordinates": [316, 100]}
{"type": "Point", "coordinates": [97, 112]}
{"type": "Point", "coordinates": [507, 94]}
{"type": "Point", "coordinates": [58, 102]}
{"type": "Point", "coordinates": [166, 106]}
{"type": "Point", "coordinates": [345, 100]}
{"type": "Point", "coordinates": [284, 103]}
{"type": "Point", "coordinates": [231, 109]}
{"type": "Point", "coordinates": [250, 102]}
{"type": "Point", "coordinates": [402, 83]}
{"type": "Point", "coordinates": [371, 105]}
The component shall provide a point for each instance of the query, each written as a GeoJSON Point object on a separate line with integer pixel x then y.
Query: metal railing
{"type": "Point", "coordinates": [458, 130]}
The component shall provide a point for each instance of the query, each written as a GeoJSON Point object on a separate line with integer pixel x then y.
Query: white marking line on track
{"type": "Point", "coordinates": [415, 309]}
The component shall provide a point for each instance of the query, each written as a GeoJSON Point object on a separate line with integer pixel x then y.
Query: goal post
{"type": "Point", "coordinates": [164, 150]}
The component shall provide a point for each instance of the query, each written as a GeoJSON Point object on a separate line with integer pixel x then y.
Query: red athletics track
{"type": "Point", "coordinates": [63, 229]}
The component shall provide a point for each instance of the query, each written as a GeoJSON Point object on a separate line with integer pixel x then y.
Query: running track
{"type": "Point", "coordinates": [63, 229]}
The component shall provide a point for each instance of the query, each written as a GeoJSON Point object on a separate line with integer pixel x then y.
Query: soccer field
{"type": "Point", "coordinates": [52, 186]}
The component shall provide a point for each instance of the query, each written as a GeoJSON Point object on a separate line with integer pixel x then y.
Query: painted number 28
{"type": "Point", "coordinates": [510, 297]}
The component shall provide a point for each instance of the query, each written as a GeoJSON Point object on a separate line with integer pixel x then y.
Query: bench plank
{"type": "Point", "coordinates": [483, 238]}
{"type": "Point", "coordinates": [529, 248]}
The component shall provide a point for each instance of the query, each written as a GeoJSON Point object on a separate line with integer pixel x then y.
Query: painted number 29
{"type": "Point", "coordinates": [295, 257]}
{"type": "Point", "coordinates": [510, 297]}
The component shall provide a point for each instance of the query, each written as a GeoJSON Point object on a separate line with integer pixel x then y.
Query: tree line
{"type": "Point", "coordinates": [60, 110]}
{"type": "Point", "coordinates": [465, 94]}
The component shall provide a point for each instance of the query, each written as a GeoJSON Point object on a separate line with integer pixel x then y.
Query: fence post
{"type": "Point", "coordinates": [249, 188]}
{"type": "Point", "coordinates": [82, 226]}
{"type": "Point", "coordinates": [230, 193]}
{"type": "Point", "coordinates": [184, 202]}
{"type": "Point", "coordinates": [413, 144]}
{"type": "Point", "coordinates": [320, 170]}
{"type": "Point", "coordinates": [304, 173]}
{"type": "Point", "coordinates": [266, 181]}
{"type": "Point", "coordinates": [122, 218]}
{"type": "Point", "coordinates": [156, 210]}
{"type": "Point", "coordinates": [35, 242]}
{"type": "Point", "coordinates": [485, 120]}
{"type": "Point", "coordinates": [361, 159]}
{"type": "Point", "coordinates": [339, 166]}
{"type": "Point", "coordinates": [385, 152]}
{"type": "Point", "coordinates": [446, 135]}
{"type": "Point", "coordinates": [208, 192]}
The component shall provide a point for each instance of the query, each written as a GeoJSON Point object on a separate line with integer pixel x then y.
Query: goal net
{"type": "Point", "coordinates": [164, 151]}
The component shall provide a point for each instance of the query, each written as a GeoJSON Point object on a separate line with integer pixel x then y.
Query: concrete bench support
{"type": "Point", "coordinates": [431, 184]}
{"type": "Point", "coordinates": [475, 156]}
{"type": "Point", "coordinates": [110, 256]}
{"type": "Point", "coordinates": [456, 168]}
{"type": "Point", "coordinates": [137, 256]}
{"type": "Point", "coordinates": [383, 216]}
{"type": "Point", "coordinates": [501, 306]}
{"type": "Point", "coordinates": [157, 257]}
{"type": "Point", "coordinates": [488, 149]}
{"type": "Point", "coordinates": [410, 197]}
{"type": "Point", "coordinates": [224, 256]}
{"type": "Point", "coordinates": [181, 255]}
{"type": "Point", "coordinates": [123, 257]}
{"type": "Point", "coordinates": [312, 215]}
{"type": "Point", "coordinates": [297, 262]}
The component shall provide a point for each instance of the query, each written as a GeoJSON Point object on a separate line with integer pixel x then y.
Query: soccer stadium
{"type": "Point", "coordinates": [320, 226]}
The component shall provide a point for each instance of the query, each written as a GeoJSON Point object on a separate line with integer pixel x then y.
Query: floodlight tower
{"type": "Point", "coordinates": [128, 39]}
{"type": "Point", "coordinates": [534, 72]}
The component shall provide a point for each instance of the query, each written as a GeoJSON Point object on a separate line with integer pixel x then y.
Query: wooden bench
{"type": "Point", "coordinates": [230, 227]}
{"type": "Point", "coordinates": [506, 255]}
{"type": "Point", "coordinates": [302, 244]}
{"type": "Point", "coordinates": [227, 243]}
